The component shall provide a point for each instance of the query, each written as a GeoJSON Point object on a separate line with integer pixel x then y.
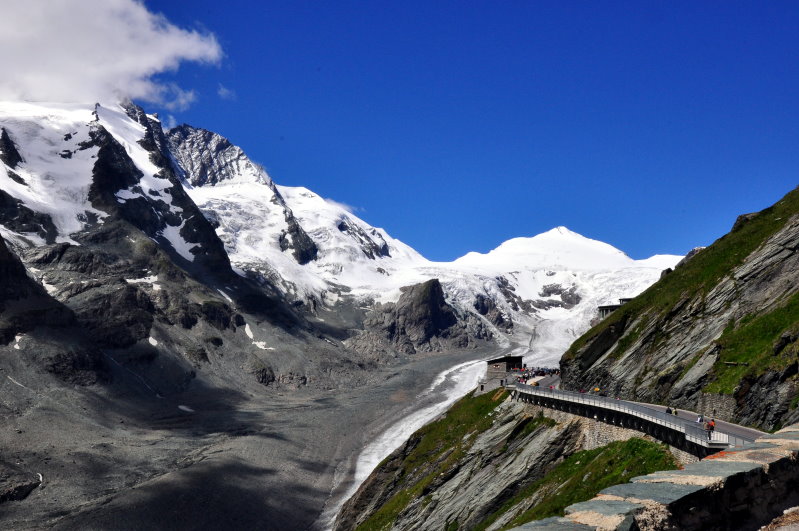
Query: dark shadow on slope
{"type": "Point", "coordinates": [199, 409]}
{"type": "Point", "coordinates": [229, 495]}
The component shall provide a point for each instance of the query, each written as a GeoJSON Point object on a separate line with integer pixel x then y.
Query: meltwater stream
{"type": "Point", "coordinates": [448, 387]}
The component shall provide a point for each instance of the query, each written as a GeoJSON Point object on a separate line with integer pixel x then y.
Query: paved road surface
{"type": "Point", "coordinates": [728, 427]}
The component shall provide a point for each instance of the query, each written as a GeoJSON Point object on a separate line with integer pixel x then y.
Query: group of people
{"type": "Point", "coordinates": [524, 375]}
{"type": "Point", "coordinates": [708, 425]}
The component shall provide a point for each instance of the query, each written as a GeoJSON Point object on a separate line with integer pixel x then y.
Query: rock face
{"type": "Point", "coordinates": [372, 244]}
{"type": "Point", "coordinates": [209, 159]}
{"type": "Point", "coordinates": [421, 321]}
{"type": "Point", "coordinates": [488, 308]}
{"type": "Point", "coordinates": [15, 483]}
{"type": "Point", "coordinates": [8, 151]}
{"type": "Point", "coordinates": [24, 304]}
{"type": "Point", "coordinates": [19, 218]}
{"type": "Point", "coordinates": [717, 335]}
{"type": "Point", "coordinates": [28, 312]}
{"type": "Point", "coordinates": [484, 480]}
{"type": "Point", "coordinates": [496, 463]}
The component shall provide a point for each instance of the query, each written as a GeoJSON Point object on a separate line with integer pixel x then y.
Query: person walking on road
{"type": "Point", "coordinates": [711, 427]}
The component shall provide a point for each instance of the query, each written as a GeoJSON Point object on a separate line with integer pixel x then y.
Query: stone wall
{"type": "Point", "coordinates": [597, 433]}
{"type": "Point", "coordinates": [717, 406]}
{"type": "Point", "coordinates": [741, 488]}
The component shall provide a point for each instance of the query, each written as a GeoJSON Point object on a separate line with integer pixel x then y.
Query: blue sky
{"type": "Point", "coordinates": [458, 125]}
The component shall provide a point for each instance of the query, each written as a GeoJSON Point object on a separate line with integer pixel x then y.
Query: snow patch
{"type": "Point", "coordinates": [145, 280]}
{"type": "Point", "coordinates": [187, 409]}
{"type": "Point", "coordinates": [22, 239]}
{"type": "Point", "coordinates": [179, 244]}
{"type": "Point", "coordinates": [225, 295]}
{"type": "Point", "coordinates": [152, 341]}
{"type": "Point", "coordinates": [48, 287]}
{"type": "Point", "coordinates": [248, 331]}
{"type": "Point", "coordinates": [148, 280]}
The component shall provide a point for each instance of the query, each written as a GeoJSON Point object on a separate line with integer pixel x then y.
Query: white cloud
{"type": "Point", "coordinates": [225, 93]}
{"type": "Point", "coordinates": [95, 50]}
{"type": "Point", "coordinates": [170, 122]}
{"type": "Point", "coordinates": [349, 208]}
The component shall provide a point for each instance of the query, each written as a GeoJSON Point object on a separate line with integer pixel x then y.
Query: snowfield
{"type": "Point", "coordinates": [56, 170]}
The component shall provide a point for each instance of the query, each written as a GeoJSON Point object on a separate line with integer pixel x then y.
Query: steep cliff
{"type": "Point", "coordinates": [490, 463]}
{"type": "Point", "coordinates": [718, 334]}
{"type": "Point", "coordinates": [420, 321]}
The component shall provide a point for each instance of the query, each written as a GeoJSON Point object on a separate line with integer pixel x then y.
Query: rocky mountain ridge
{"type": "Point", "coordinates": [718, 334]}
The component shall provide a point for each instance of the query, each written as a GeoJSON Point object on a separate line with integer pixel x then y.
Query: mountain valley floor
{"type": "Point", "coordinates": [209, 459]}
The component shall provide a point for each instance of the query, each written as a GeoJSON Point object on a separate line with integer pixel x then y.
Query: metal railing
{"type": "Point", "coordinates": [693, 432]}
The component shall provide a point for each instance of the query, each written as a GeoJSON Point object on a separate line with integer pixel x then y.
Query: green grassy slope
{"type": "Point", "coordinates": [750, 340]}
{"type": "Point", "coordinates": [440, 445]}
{"type": "Point", "coordinates": [582, 475]}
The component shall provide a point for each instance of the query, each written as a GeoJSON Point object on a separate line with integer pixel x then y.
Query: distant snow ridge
{"type": "Point", "coordinates": [558, 248]}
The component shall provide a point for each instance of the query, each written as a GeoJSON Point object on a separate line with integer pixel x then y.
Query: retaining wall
{"type": "Point", "coordinates": [597, 433]}
{"type": "Point", "coordinates": [741, 488]}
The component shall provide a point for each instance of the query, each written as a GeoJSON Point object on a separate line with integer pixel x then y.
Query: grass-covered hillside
{"type": "Point", "coordinates": [488, 463]}
{"type": "Point", "coordinates": [582, 475]}
{"type": "Point", "coordinates": [724, 322]}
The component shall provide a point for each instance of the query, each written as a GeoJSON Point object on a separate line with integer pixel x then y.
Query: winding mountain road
{"type": "Point", "coordinates": [683, 421]}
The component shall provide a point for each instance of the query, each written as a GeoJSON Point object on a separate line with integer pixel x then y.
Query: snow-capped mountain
{"type": "Point", "coordinates": [74, 166]}
{"type": "Point", "coordinates": [46, 171]}
{"type": "Point", "coordinates": [291, 236]}
{"type": "Point", "coordinates": [539, 292]}
{"type": "Point", "coordinates": [70, 168]}
{"type": "Point", "coordinates": [550, 285]}
{"type": "Point", "coordinates": [159, 292]}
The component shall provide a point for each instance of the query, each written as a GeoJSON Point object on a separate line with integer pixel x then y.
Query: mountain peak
{"type": "Point", "coordinates": [558, 248]}
{"type": "Point", "coordinates": [211, 159]}
{"type": "Point", "coordinates": [560, 229]}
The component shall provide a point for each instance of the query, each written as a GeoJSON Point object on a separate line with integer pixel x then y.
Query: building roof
{"type": "Point", "coordinates": [507, 359]}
